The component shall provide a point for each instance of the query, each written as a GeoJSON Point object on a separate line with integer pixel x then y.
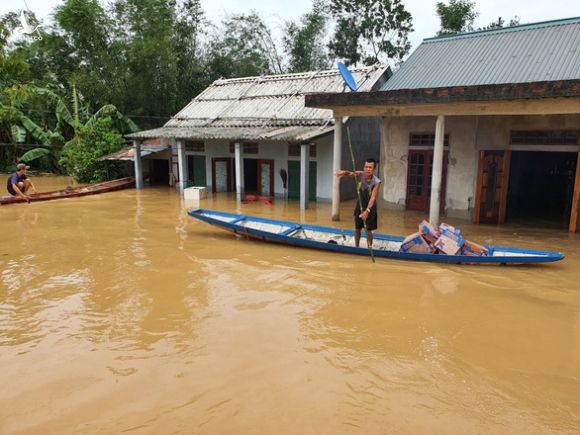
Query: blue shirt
{"type": "Point", "coordinates": [14, 178]}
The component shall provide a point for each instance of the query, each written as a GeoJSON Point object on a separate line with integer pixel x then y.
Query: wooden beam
{"type": "Point", "coordinates": [505, 178]}
{"type": "Point", "coordinates": [450, 94]}
{"type": "Point", "coordinates": [576, 200]}
{"type": "Point", "coordinates": [547, 106]}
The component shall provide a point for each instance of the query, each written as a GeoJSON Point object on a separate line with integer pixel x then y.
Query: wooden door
{"type": "Point", "coordinates": [222, 174]}
{"type": "Point", "coordinates": [294, 180]}
{"type": "Point", "coordinates": [196, 170]}
{"type": "Point", "coordinates": [492, 187]}
{"type": "Point", "coordinates": [573, 227]}
{"type": "Point", "coordinates": [312, 182]}
{"type": "Point", "coordinates": [419, 172]}
{"type": "Point", "coordinates": [266, 177]}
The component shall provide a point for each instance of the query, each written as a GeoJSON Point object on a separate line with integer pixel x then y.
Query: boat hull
{"type": "Point", "coordinates": [72, 192]}
{"type": "Point", "coordinates": [338, 240]}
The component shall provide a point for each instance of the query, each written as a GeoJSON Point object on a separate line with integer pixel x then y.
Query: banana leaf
{"type": "Point", "coordinates": [34, 154]}
{"type": "Point", "coordinates": [113, 112]}
{"type": "Point", "coordinates": [18, 133]}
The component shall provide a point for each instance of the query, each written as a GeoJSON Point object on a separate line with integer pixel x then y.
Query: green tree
{"type": "Point", "coordinates": [188, 48]}
{"type": "Point", "coordinates": [500, 23]}
{"type": "Point", "coordinates": [456, 17]}
{"type": "Point", "coordinates": [82, 159]}
{"type": "Point", "coordinates": [370, 31]}
{"type": "Point", "coordinates": [12, 68]}
{"type": "Point", "coordinates": [243, 47]}
{"type": "Point", "coordinates": [85, 28]}
{"type": "Point", "coordinates": [67, 123]}
{"type": "Point", "coordinates": [12, 134]}
{"type": "Point", "coordinates": [305, 42]}
{"type": "Point", "coordinates": [12, 71]}
{"type": "Point", "coordinates": [151, 65]}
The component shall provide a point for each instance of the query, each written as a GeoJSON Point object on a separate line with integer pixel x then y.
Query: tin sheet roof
{"type": "Point", "coordinates": [267, 107]}
{"type": "Point", "coordinates": [547, 51]}
{"type": "Point", "coordinates": [128, 153]}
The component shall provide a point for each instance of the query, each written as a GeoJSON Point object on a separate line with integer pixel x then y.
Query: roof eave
{"type": "Point", "coordinates": [477, 93]}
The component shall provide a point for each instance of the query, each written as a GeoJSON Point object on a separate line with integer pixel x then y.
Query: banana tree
{"type": "Point", "coordinates": [55, 140]}
{"type": "Point", "coordinates": [11, 132]}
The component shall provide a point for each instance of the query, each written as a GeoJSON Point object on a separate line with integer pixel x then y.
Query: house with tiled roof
{"type": "Point", "coordinates": [482, 125]}
{"type": "Point", "coordinates": [255, 135]}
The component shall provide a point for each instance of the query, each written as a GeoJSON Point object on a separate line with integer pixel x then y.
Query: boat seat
{"type": "Point", "coordinates": [291, 230]}
{"type": "Point", "coordinates": [295, 231]}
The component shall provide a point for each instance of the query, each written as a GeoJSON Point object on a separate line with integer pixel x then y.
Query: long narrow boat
{"type": "Point", "coordinates": [338, 240]}
{"type": "Point", "coordinates": [71, 192]}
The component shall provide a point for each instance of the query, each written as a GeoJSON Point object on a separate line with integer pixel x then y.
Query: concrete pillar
{"type": "Point", "coordinates": [239, 172]}
{"type": "Point", "coordinates": [304, 170]}
{"type": "Point", "coordinates": [182, 164]}
{"type": "Point", "coordinates": [138, 164]}
{"type": "Point", "coordinates": [336, 166]}
{"type": "Point", "coordinates": [435, 204]}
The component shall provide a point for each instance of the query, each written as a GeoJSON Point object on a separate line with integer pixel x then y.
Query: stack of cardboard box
{"type": "Point", "coordinates": [450, 241]}
{"type": "Point", "coordinates": [445, 239]}
{"type": "Point", "coordinates": [474, 250]}
{"type": "Point", "coordinates": [417, 244]}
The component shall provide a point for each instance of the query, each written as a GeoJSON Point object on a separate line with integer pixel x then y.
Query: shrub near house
{"type": "Point", "coordinates": [81, 157]}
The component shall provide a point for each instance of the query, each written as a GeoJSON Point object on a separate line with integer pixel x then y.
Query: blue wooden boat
{"type": "Point", "coordinates": [338, 240]}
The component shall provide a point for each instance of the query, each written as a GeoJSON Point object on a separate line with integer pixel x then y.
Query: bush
{"type": "Point", "coordinates": [80, 158]}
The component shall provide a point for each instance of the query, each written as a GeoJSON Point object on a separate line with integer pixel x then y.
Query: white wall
{"type": "Point", "coordinates": [324, 175]}
{"type": "Point", "coordinates": [277, 151]}
{"type": "Point", "coordinates": [462, 163]}
{"type": "Point", "coordinates": [467, 136]}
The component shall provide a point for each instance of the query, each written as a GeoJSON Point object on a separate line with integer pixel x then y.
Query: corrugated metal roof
{"type": "Point", "coordinates": [535, 52]}
{"type": "Point", "coordinates": [128, 153]}
{"type": "Point", "coordinates": [267, 107]}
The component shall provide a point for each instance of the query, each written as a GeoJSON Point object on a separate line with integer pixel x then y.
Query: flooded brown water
{"type": "Point", "coordinates": [119, 313]}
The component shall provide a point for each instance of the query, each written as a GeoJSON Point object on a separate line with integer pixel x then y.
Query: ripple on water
{"type": "Point", "coordinates": [122, 299]}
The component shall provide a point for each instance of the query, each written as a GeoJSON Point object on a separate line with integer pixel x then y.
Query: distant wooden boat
{"type": "Point", "coordinates": [72, 192]}
{"type": "Point", "coordinates": [338, 240]}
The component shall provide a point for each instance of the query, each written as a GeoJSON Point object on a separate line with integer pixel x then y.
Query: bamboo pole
{"type": "Point", "coordinates": [358, 194]}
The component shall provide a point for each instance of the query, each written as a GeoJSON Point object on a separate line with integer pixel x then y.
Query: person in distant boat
{"type": "Point", "coordinates": [18, 184]}
{"type": "Point", "coordinates": [369, 185]}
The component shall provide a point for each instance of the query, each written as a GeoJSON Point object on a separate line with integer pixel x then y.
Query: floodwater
{"type": "Point", "coordinates": [120, 314]}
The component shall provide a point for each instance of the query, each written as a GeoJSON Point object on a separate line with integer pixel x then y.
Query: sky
{"type": "Point", "coordinates": [425, 19]}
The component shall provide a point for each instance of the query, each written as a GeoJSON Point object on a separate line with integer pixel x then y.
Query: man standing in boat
{"type": "Point", "coordinates": [18, 183]}
{"type": "Point", "coordinates": [365, 211]}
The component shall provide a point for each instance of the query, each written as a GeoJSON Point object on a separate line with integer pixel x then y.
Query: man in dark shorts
{"type": "Point", "coordinates": [18, 183]}
{"type": "Point", "coordinates": [368, 184]}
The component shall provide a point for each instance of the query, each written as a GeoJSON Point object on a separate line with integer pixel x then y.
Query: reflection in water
{"type": "Point", "coordinates": [120, 313]}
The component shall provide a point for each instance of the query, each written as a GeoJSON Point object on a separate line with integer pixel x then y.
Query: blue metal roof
{"type": "Point", "coordinates": [545, 51]}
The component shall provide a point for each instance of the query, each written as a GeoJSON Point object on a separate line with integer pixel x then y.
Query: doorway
{"type": "Point", "coordinates": [251, 176]}
{"type": "Point", "coordinates": [222, 174]}
{"type": "Point", "coordinates": [159, 172]}
{"type": "Point", "coordinates": [259, 177]}
{"type": "Point", "coordinates": [492, 185]}
{"type": "Point", "coordinates": [196, 171]}
{"type": "Point", "coordinates": [541, 187]}
{"type": "Point", "coordinates": [294, 180]}
{"type": "Point", "coordinates": [419, 170]}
